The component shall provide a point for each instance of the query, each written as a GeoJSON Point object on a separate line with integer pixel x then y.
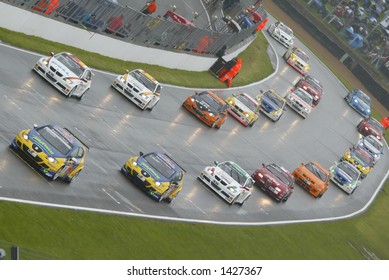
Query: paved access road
{"type": "Point", "coordinates": [116, 129]}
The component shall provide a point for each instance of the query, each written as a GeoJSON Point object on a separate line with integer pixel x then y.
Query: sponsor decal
{"type": "Point", "coordinates": [43, 144]}
{"type": "Point", "coordinates": [150, 170]}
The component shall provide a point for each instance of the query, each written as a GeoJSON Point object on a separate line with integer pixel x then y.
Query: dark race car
{"type": "Point", "coordinates": [370, 126]}
{"type": "Point", "coordinates": [274, 180]}
{"type": "Point", "coordinates": [312, 86]}
{"type": "Point", "coordinates": [360, 101]}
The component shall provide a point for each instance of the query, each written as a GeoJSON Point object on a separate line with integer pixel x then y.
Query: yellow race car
{"type": "Point", "coordinates": [52, 150]}
{"type": "Point", "coordinates": [360, 158]}
{"type": "Point", "coordinates": [156, 173]}
{"type": "Point", "coordinates": [271, 104]}
{"type": "Point", "coordinates": [244, 108]}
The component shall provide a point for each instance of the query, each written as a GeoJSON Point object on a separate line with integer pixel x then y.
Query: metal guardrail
{"type": "Point", "coordinates": [130, 25]}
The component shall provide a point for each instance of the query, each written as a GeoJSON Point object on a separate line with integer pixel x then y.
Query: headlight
{"type": "Point", "coordinates": [231, 102]}
{"type": "Point", "coordinates": [247, 115]}
{"type": "Point", "coordinates": [134, 163]}
{"type": "Point", "coordinates": [69, 81]}
{"type": "Point", "coordinates": [363, 168]}
{"type": "Point", "coordinates": [157, 184]}
{"type": "Point", "coordinates": [306, 109]}
{"type": "Point", "coordinates": [192, 99]}
{"type": "Point", "coordinates": [52, 160]}
{"type": "Point", "coordinates": [316, 97]}
{"type": "Point", "coordinates": [25, 136]}
{"type": "Point", "coordinates": [366, 129]}
{"type": "Point", "coordinates": [355, 100]}
{"type": "Point", "coordinates": [306, 67]}
{"type": "Point", "coordinates": [260, 175]}
{"type": "Point", "coordinates": [348, 156]}
{"type": "Point", "coordinates": [211, 114]}
{"type": "Point", "coordinates": [46, 61]}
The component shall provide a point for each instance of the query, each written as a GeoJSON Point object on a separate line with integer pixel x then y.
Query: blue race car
{"type": "Point", "coordinates": [360, 101]}
{"type": "Point", "coordinates": [271, 104]}
{"type": "Point", "coordinates": [346, 176]}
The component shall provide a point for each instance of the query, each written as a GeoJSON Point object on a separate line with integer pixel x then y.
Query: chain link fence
{"type": "Point", "coordinates": [125, 23]}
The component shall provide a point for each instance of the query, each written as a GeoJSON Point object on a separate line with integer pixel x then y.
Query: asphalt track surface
{"type": "Point", "coordinates": [115, 129]}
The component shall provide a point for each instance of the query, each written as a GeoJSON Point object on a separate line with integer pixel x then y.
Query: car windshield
{"type": "Point", "coordinates": [374, 142]}
{"type": "Point", "coordinates": [286, 29]}
{"type": "Point", "coordinates": [235, 172]}
{"type": "Point", "coordinates": [349, 169]}
{"type": "Point", "coordinates": [55, 139]}
{"type": "Point", "coordinates": [274, 98]}
{"type": "Point", "coordinates": [376, 124]}
{"type": "Point", "coordinates": [160, 165]}
{"type": "Point", "coordinates": [210, 100]}
{"type": "Point", "coordinates": [71, 62]}
{"type": "Point", "coordinates": [314, 83]}
{"type": "Point", "coordinates": [362, 156]}
{"type": "Point", "coordinates": [304, 96]}
{"type": "Point", "coordinates": [361, 95]}
{"type": "Point", "coordinates": [280, 174]}
{"type": "Point", "coordinates": [318, 172]}
{"type": "Point", "coordinates": [247, 102]}
{"type": "Point", "coordinates": [143, 79]}
{"type": "Point", "coordinates": [301, 55]}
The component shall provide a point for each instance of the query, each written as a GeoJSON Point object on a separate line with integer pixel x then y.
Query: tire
{"type": "Point", "coordinates": [154, 106]}
{"type": "Point", "coordinates": [82, 95]}
{"type": "Point", "coordinates": [70, 180]}
{"type": "Point", "coordinates": [56, 175]}
{"type": "Point", "coordinates": [169, 200]}
{"type": "Point", "coordinates": [72, 91]}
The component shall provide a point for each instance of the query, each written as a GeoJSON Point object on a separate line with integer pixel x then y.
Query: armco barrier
{"type": "Point", "coordinates": [321, 33]}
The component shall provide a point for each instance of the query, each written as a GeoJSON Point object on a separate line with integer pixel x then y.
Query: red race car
{"type": "Point", "coordinates": [275, 180]}
{"type": "Point", "coordinates": [370, 126]}
{"type": "Point", "coordinates": [312, 86]}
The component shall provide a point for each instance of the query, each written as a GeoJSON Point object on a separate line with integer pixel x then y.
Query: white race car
{"type": "Point", "coordinates": [139, 87]}
{"type": "Point", "coordinates": [281, 33]}
{"type": "Point", "coordinates": [346, 176]}
{"type": "Point", "coordinates": [373, 146]}
{"type": "Point", "coordinates": [66, 73]}
{"type": "Point", "coordinates": [298, 59]}
{"type": "Point", "coordinates": [300, 101]}
{"type": "Point", "coordinates": [229, 181]}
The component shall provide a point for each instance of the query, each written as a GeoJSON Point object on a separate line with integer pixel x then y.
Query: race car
{"type": "Point", "coordinates": [157, 174]}
{"type": "Point", "coordinates": [312, 86]}
{"type": "Point", "coordinates": [244, 108]}
{"type": "Point", "coordinates": [52, 150]}
{"type": "Point", "coordinates": [361, 158]}
{"type": "Point", "coordinates": [281, 33]}
{"type": "Point", "coordinates": [275, 180]}
{"type": "Point", "coordinates": [229, 181]}
{"type": "Point", "coordinates": [298, 59]}
{"type": "Point", "coordinates": [300, 101]}
{"type": "Point", "coordinates": [373, 146]}
{"type": "Point", "coordinates": [370, 126]}
{"type": "Point", "coordinates": [208, 107]}
{"type": "Point", "coordinates": [346, 176]}
{"type": "Point", "coordinates": [360, 101]}
{"type": "Point", "coordinates": [66, 73]}
{"type": "Point", "coordinates": [312, 177]}
{"type": "Point", "coordinates": [139, 87]}
{"type": "Point", "coordinates": [271, 104]}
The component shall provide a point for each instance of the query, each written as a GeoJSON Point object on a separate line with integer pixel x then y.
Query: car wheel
{"type": "Point", "coordinates": [145, 107]}
{"type": "Point", "coordinates": [70, 180]}
{"type": "Point", "coordinates": [169, 200]}
{"type": "Point", "coordinates": [241, 204]}
{"type": "Point", "coordinates": [56, 175]}
{"type": "Point", "coordinates": [72, 91]}
{"type": "Point", "coordinates": [82, 95]}
{"type": "Point", "coordinates": [154, 105]}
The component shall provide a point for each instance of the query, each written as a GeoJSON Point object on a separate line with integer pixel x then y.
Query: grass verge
{"type": "Point", "coordinates": [46, 233]}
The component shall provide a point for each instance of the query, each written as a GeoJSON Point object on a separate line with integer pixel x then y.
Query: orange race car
{"type": "Point", "coordinates": [312, 177]}
{"type": "Point", "coordinates": [208, 107]}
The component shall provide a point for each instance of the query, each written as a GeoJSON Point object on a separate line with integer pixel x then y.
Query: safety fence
{"type": "Point", "coordinates": [125, 23]}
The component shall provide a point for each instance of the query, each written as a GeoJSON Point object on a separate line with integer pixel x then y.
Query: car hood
{"type": "Point", "coordinates": [138, 86]}
{"type": "Point", "coordinates": [242, 106]}
{"type": "Point", "coordinates": [62, 69]}
{"type": "Point", "coordinates": [302, 102]}
{"type": "Point", "coordinates": [274, 180]}
{"type": "Point", "coordinates": [342, 176]}
{"type": "Point", "coordinates": [285, 35]}
{"type": "Point", "coordinates": [41, 145]}
{"type": "Point", "coordinates": [149, 171]}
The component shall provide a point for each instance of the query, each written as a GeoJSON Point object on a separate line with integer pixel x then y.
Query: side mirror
{"type": "Point", "coordinates": [216, 162]}
{"type": "Point", "coordinates": [141, 154]}
{"type": "Point", "coordinates": [52, 53]}
{"type": "Point", "coordinates": [313, 106]}
{"type": "Point", "coordinates": [196, 92]}
{"type": "Point", "coordinates": [233, 95]}
{"type": "Point", "coordinates": [302, 164]}
{"type": "Point", "coordinates": [35, 125]}
{"type": "Point", "coordinates": [73, 159]}
{"type": "Point", "coordinates": [264, 165]}
{"type": "Point", "coordinates": [127, 71]}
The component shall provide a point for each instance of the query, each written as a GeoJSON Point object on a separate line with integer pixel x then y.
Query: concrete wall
{"type": "Point", "coordinates": [29, 23]}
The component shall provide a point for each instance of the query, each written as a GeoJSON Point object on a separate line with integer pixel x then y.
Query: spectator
{"type": "Point", "coordinates": [87, 19]}
{"type": "Point", "coordinates": [46, 6]}
{"type": "Point", "coordinates": [150, 8]}
{"type": "Point", "coordinates": [114, 23]}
